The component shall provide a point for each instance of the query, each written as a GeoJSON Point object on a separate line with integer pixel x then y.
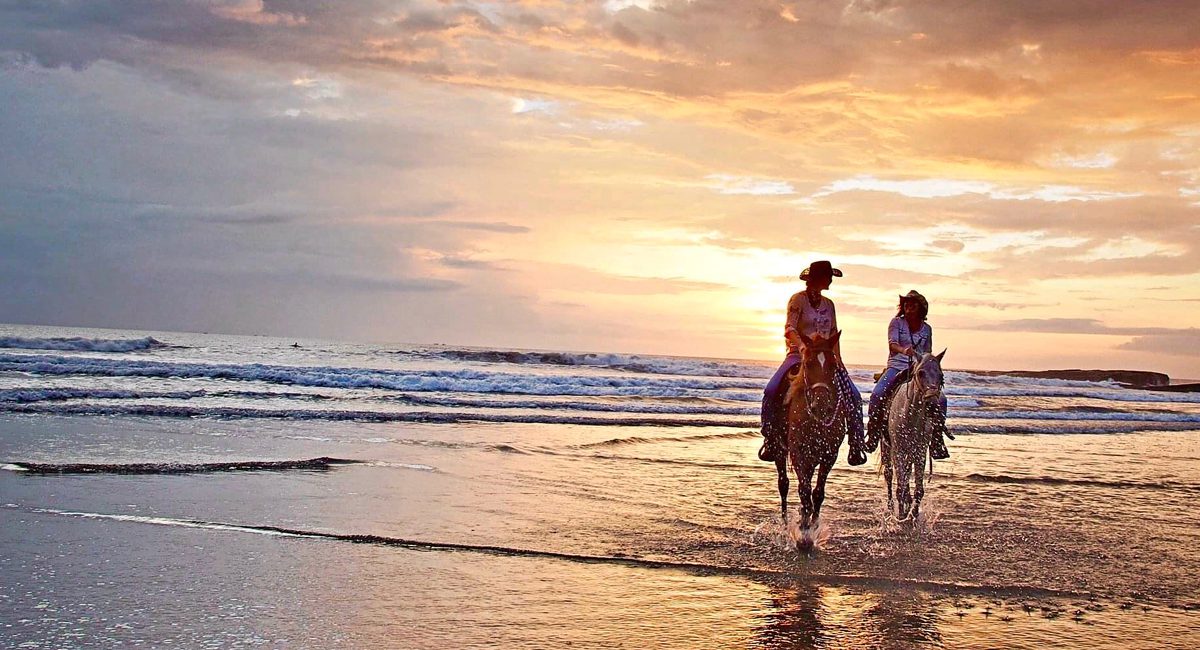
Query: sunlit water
{"type": "Point", "coordinates": [520, 499]}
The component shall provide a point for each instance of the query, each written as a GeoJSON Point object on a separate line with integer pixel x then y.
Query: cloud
{"type": "Point", "coordinates": [933, 188]}
{"type": "Point", "coordinates": [727, 184]}
{"type": "Point", "coordinates": [1081, 326]}
{"type": "Point", "coordinates": [488, 226]}
{"type": "Point", "coordinates": [1185, 343]}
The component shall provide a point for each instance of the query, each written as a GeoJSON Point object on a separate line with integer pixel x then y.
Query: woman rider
{"type": "Point", "coordinates": [811, 314]}
{"type": "Point", "coordinates": [909, 337]}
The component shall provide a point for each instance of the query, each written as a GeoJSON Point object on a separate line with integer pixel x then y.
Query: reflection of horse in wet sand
{"type": "Point", "coordinates": [816, 426]}
{"type": "Point", "coordinates": [911, 418]}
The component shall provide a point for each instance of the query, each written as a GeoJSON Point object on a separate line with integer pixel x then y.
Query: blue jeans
{"type": "Point", "coordinates": [772, 404]}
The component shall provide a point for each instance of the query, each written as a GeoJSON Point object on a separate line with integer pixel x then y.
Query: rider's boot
{"type": "Point", "coordinates": [937, 446]}
{"type": "Point", "coordinates": [765, 452]}
{"type": "Point", "coordinates": [874, 423]}
{"type": "Point", "coordinates": [856, 456]}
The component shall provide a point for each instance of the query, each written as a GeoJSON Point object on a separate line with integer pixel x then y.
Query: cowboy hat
{"type": "Point", "coordinates": [821, 269]}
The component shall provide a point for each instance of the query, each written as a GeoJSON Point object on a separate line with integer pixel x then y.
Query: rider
{"type": "Point", "coordinates": [811, 314]}
{"type": "Point", "coordinates": [909, 337]}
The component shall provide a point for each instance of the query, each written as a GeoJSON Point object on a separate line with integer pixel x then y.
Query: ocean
{"type": "Point", "coordinates": [201, 490]}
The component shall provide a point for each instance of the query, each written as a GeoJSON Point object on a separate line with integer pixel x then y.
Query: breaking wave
{"type": "Point", "coordinates": [1060, 481]}
{"type": "Point", "coordinates": [81, 344]}
{"type": "Point", "coordinates": [628, 362]}
{"type": "Point", "coordinates": [468, 381]}
{"type": "Point", "coordinates": [428, 417]}
{"type": "Point", "coordinates": [321, 463]}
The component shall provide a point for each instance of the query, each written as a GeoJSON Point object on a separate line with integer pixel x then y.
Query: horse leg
{"type": "Point", "coordinates": [919, 481]}
{"type": "Point", "coordinates": [804, 473]}
{"type": "Point", "coordinates": [885, 460]}
{"type": "Point", "coordinates": [819, 491]}
{"type": "Point", "coordinates": [903, 490]}
{"type": "Point", "coordinates": [781, 474]}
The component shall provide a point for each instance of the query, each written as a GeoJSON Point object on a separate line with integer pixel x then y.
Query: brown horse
{"type": "Point", "coordinates": [816, 426]}
{"type": "Point", "coordinates": [904, 451]}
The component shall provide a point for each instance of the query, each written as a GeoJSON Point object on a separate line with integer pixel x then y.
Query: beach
{"type": "Point", "coordinates": [256, 491]}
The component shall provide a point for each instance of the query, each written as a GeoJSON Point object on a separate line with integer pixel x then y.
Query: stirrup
{"type": "Point", "coordinates": [765, 454]}
{"type": "Point", "coordinates": [938, 451]}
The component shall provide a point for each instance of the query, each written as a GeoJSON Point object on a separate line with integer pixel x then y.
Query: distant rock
{"type": "Point", "coordinates": [1128, 378]}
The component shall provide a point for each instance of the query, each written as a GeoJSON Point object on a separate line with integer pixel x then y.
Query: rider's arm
{"type": "Point", "coordinates": [894, 345]}
{"type": "Point", "coordinates": [791, 330]}
{"type": "Point", "coordinates": [837, 347]}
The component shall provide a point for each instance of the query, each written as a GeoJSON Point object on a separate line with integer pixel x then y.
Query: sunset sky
{"type": "Point", "coordinates": [634, 176]}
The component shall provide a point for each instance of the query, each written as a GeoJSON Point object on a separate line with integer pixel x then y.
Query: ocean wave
{"type": "Point", "coordinates": [79, 344]}
{"type": "Point", "coordinates": [1060, 481]}
{"type": "Point", "coordinates": [427, 417]}
{"type": "Point", "coordinates": [1107, 415]}
{"type": "Point", "coordinates": [321, 463]}
{"type": "Point", "coordinates": [1029, 427]}
{"type": "Point", "coordinates": [1092, 391]}
{"type": "Point", "coordinates": [30, 395]}
{"type": "Point", "coordinates": [417, 466]}
{"type": "Point", "coordinates": [459, 380]}
{"type": "Point", "coordinates": [702, 406]}
{"type": "Point", "coordinates": [637, 440]}
{"type": "Point", "coordinates": [645, 364]}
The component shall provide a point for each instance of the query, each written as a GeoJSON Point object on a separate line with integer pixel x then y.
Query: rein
{"type": "Point", "coordinates": [914, 389]}
{"type": "Point", "coordinates": [837, 401]}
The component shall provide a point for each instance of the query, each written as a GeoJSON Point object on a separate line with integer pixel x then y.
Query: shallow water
{"type": "Point", "coordinates": [527, 534]}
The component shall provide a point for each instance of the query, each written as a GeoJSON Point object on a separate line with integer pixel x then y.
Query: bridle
{"type": "Point", "coordinates": [810, 390]}
{"type": "Point", "coordinates": [916, 387]}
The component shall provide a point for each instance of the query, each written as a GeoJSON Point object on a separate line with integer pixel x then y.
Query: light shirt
{"type": "Point", "coordinates": [808, 320]}
{"type": "Point", "coordinates": [921, 341]}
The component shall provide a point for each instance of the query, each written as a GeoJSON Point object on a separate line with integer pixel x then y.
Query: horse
{"type": "Point", "coordinates": [904, 450]}
{"type": "Point", "coordinates": [815, 426]}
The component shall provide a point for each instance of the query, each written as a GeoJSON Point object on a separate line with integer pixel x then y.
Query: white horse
{"type": "Point", "coordinates": [904, 451]}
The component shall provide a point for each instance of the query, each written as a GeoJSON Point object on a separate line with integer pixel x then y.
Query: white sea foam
{"type": "Point", "coordinates": [13, 468]}
{"type": "Point", "coordinates": [80, 344]}
{"type": "Point", "coordinates": [164, 521]}
{"type": "Point", "coordinates": [647, 364]}
{"type": "Point", "coordinates": [464, 380]}
{"type": "Point", "coordinates": [417, 466]}
{"type": "Point", "coordinates": [26, 395]}
{"type": "Point", "coordinates": [1075, 416]}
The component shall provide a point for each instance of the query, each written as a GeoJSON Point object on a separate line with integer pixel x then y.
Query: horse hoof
{"type": "Point", "coordinates": [804, 545]}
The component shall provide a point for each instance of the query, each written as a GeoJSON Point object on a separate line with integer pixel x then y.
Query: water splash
{"type": "Point", "coordinates": [888, 527]}
{"type": "Point", "coordinates": [792, 537]}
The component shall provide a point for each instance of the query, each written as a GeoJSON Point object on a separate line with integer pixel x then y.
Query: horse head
{"type": "Point", "coordinates": [814, 379]}
{"type": "Point", "coordinates": [927, 376]}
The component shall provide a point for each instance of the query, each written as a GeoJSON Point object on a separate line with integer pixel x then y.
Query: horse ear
{"type": "Point", "coordinates": [834, 339]}
{"type": "Point", "coordinates": [939, 357]}
{"type": "Point", "coordinates": [806, 341]}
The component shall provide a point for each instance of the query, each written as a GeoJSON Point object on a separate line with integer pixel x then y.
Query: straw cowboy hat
{"type": "Point", "coordinates": [821, 269]}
